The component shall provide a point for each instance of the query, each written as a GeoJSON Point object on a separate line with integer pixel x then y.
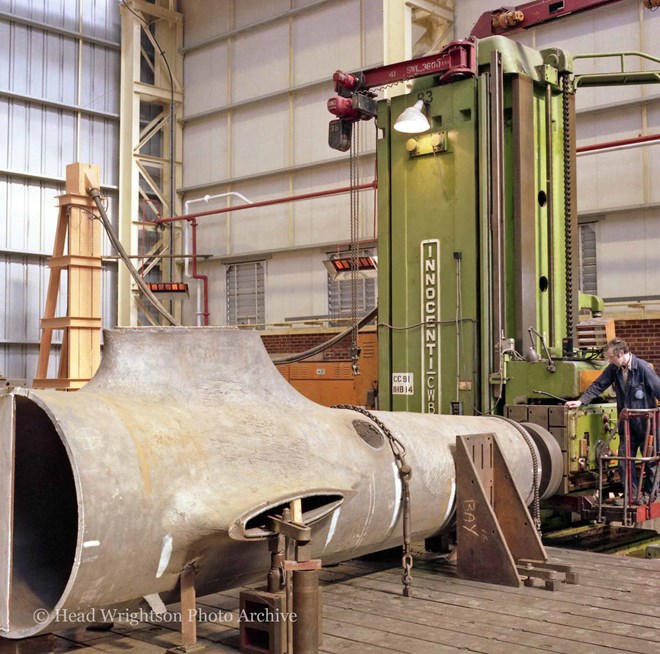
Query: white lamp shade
{"type": "Point", "coordinates": [412, 120]}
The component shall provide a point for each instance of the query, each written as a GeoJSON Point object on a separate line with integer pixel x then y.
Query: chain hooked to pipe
{"type": "Point", "coordinates": [405, 474]}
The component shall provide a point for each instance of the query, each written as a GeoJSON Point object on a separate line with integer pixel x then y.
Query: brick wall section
{"type": "Point", "coordinates": [294, 343]}
{"type": "Point", "coordinates": [643, 336]}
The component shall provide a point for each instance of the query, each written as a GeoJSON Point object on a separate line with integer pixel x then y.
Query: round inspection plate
{"type": "Point", "coordinates": [369, 433]}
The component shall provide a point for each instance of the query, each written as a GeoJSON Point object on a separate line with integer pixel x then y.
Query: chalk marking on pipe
{"type": "Point", "coordinates": [397, 495]}
{"type": "Point", "coordinates": [91, 543]}
{"type": "Point", "coordinates": [164, 556]}
{"type": "Point", "coordinates": [156, 604]}
{"type": "Point", "coordinates": [451, 503]}
{"type": "Point", "coordinates": [333, 526]}
{"type": "Point", "coordinates": [371, 510]}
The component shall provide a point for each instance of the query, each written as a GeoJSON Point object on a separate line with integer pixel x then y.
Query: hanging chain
{"type": "Point", "coordinates": [566, 90]}
{"type": "Point", "coordinates": [355, 235]}
{"type": "Point", "coordinates": [405, 474]}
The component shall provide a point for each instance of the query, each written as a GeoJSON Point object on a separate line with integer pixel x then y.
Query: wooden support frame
{"type": "Point", "coordinates": [78, 229]}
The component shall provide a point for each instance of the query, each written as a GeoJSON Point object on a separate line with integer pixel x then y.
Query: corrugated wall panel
{"type": "Point", "coordinates": [100, 18]}
{"type": "Point", "coordinates": [28, 216]}
{"type": "Point", "coordinates": [98, 144]}
{"type": "Point", "coordinates": [268, 138]}
{"type": "Point", "coordinates": [201, 92]}
{"type": "Point", "coordinates": [598, 189]}
{"type": "Point", "coordinates": [100, 72]}
{"type": "Point", "coordinates": [38, 139]}
{"type": "Point", "coordinates": [23, 279]}
{"type": "Point", "coordinates": [38, 67]}
{"type": "Point", "coordinates": [248, 57]}
{"type": "Point", "coordinates": [205, 141]}
{"type": "Point", "coordinates": [59, 13]}
{"type": "Point", "coordinates": [326, 39]}
{"type": "Point", "coordinates": [198, 26]}
{"type": "Point", "coordinates": [263, 228]}
{"type": "Point", "coordinates": [262, 140]}
{"type": "Point", "coordinates": [40, 64]}
{"type": "Point", "coordinates": [247, 12]}
{"type": "Point", "coordinates": [324, 220]}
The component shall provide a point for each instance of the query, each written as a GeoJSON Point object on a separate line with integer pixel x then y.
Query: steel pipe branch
{"type": "Point", "coordinates": [175, 455]}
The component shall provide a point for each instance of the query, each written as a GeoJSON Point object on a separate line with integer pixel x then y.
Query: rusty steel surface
{"type": "Point", "coordinates": [174, 454]}
{"type": "Point", "coordinates": [307, 627]}
{"type": "Point", "coordinates": [482, 549]}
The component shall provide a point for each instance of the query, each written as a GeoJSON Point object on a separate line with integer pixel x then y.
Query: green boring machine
{"type": "Point", "coordinates": [479, 309]}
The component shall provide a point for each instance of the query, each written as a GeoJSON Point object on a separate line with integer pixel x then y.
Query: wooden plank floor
{"type": "Point", "coordinates": [614, 608]}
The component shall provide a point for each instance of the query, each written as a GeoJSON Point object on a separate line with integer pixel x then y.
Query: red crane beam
{"type": "Point", "coordinates": [516, 19]}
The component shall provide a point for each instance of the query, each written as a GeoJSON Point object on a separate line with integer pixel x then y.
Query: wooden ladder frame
{"type": "Point", "coordinates": [79, 228]}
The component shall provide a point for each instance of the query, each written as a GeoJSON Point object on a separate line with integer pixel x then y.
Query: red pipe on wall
{"type": "Point", "coordinates": [203, 278]}
{"type": "Point", "coordinates": [267, 203]}
{"type": "Point", "coordinates": [637, 140]}
{"type": "Point", "coordinates": [192, 219]}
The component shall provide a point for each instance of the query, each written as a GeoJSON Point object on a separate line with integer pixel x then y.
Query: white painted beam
{"type": "Point", "coordinates": [432, 8]}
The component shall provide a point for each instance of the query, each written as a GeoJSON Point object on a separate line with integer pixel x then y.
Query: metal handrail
{"type": "Point", "coordinates": [638, 459]}
{"type": "Point", "coordinates": [621, 55]}
{"type": "Point", "coordinates": [652, 416]}
{"type": "Point", "coordinates": [637, 76]}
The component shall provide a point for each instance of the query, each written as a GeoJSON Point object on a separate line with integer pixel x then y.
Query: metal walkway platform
{"type": "Point", "coordinates": [614, 608]}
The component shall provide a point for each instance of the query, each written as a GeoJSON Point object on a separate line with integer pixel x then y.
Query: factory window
{"type": "Point", "coordinates": [339, 295]}
{"type": "Point", "coordinates": [588, 269]}
{"type": "Point", "coordinates": [245, 293]}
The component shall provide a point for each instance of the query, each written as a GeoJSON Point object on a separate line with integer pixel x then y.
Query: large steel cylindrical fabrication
{"type": "Point", "coordinates": [175, 453]}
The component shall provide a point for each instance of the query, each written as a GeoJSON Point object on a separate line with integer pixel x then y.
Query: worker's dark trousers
{"type": "Point", "coordinates": [637, 438]}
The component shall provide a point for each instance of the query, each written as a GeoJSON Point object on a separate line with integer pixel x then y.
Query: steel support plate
{"type": "Point", "coordinates": [483, 554]}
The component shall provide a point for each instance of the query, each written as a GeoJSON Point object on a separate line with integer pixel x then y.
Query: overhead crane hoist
{"type": "Point", "coordinates": [355, 100]}
{"type": "Point", "coordinates": [477, 244]}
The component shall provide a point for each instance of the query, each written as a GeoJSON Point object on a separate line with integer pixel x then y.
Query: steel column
{"type": "Point", "coordinates": [524, 207]}
{"type": "Point", "coordinates": [135, 173]}
{"type": "Point", "coordinates": [497, 204]}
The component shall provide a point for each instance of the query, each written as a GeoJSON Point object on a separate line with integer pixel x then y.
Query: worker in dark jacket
{"type": "Point", "coordinates": [637, 387]}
